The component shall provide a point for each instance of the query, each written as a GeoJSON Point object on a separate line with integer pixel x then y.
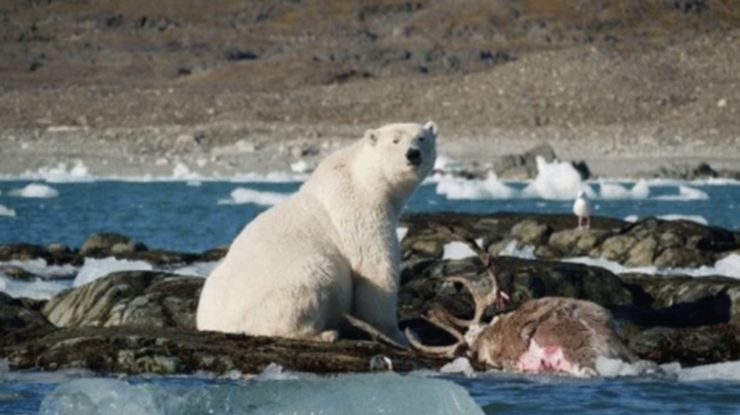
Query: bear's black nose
{"type": "Point", "coordinates": [413, 156]}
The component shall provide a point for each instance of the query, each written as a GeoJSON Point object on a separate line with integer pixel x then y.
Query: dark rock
{"type": "Point", "coordinates": [132, 298]}
{"type": "Point", "coordinates": [689, 346]}
{"type": "Point", "coordinates": [167, 351]}
{"type": "Point", "coordinates": [23, 252]}
{"type": "Point", "coordinates": [16, 273]}
{"type": "Point", "coordinates": [577, 242]}
{"type": "Point", "coordinates": [19, 317]}
{"type": "Point", "coordinates": [523, 279]}
{"type": "Point", "coordinates": [582, 169]}
{"type": "Point", "coordinates": [523, 166]}
{"type": "Point", "coordinates": [240, 55]}
{"type": "Point", "coordinates": [683, 301]}
{"type": "Point", "coordinates": [106, 244]}
{"type": "Point", "coordinates": [530, 232]}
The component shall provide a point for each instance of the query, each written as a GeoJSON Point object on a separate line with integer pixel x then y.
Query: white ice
{"type": "Point", "coordinates": [197, 269]}
{"type": "Point", "coordinates": [460, 365]}
{"type": "Point", "coordinates": [242, 195]}
{"type": "Point", "coordinates": [401, 232]}
{"type": "Point", "coordinates": [685, 193]}
{"type": "Point", "coordinates": [386, 393]}
{"type": "Point", "coordinates": [513, 249]}
{"type": "Point", "coordinates": [182, 172]}
{"type": "Point", "coordinates": [94, 268]}
{"type": "Point", "coordinates": [728, 266]}
{"type": "Point", "coordinates": [717, 371]}
{"type": "Point", "coordinates": [640, 190]}
{"type": "Point", "coordinates": [457, 250]}
{"type": "Point", "coordinates": [40, 267]}
{"type": "Point", "coordinates": [6, 211]}
{"type": "Point", "coordinates": [35, 190]}
{"type": "Point", "coordinates": [556, 181]}
{"type": "Point", "coordinates": [77, 173]}
{"type": "Point", "coordinates": [36, 289]}
{"type": "Point", "coordinates": [693, 218]}
{"type": "Point", "coordinates": [455, 188]}
{"type": "Point", "coordinates": [301, 167]}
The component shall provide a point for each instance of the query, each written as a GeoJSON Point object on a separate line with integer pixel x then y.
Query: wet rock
{"type": "Point", "coordinates": [530, 232]}
{"type": "Point", "coordinates": [16, 273]}
{"type": "Point", "coordinates": [20, 316]}
{"type": "Point", "coordinates": [167, 351]}
{"type": "Point", "coordinates": [689, 346]}
{"type": "Point", "coordinates": [642, 253]}
{"type": "Point", "coordinates": [681, 257]}
{"type": "Point", "coordinates": [100, 245]}
{"type": "Point", "coordinates": [683, 301]}
{"type": "Point", "coordinates": [577, 242]}
{"type": "Point", "coordinates": [131, 298]}
{"type": "Point", "coordinates": [23, 252]}
{"type": "Point", "coordinates": [523, 279]}
{"type": "Point", "coordinates": [523, 166]}
{"type": "Point", "coordinates": [617, 247]}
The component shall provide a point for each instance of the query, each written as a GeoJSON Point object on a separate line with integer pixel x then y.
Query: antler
{"type": "Point", "coordinates": [444, 320]}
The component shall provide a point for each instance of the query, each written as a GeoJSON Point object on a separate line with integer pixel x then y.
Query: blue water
{"type": "Point", "coordinates": [496, 394]}
{"type": "Point", "coordinates": [173, 215]}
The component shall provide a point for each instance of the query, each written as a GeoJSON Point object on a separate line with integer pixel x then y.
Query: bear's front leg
{"type": "Point", "coordinates": [376, 300]}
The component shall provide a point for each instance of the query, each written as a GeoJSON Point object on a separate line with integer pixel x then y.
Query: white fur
{"type": "Point", "coordinates": [328, 249]}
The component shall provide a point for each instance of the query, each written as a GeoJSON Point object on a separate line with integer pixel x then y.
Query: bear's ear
{"type": "Point", "coordinates": [371, 136]}
{"type": "Point", "coordinates": [431, 127]}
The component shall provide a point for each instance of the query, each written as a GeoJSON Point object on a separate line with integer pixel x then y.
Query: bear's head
{"type": "Point", "coordinates": [405, 152]}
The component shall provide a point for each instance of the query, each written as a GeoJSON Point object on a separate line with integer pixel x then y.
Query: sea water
{"type": "Point", "coordinates": [196, 215]}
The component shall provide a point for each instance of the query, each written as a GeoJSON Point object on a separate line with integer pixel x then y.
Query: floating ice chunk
{"type": "Point", "coordinates": [640, 190]}
{"type": "Point", "coordinates": [385, 393]}
{"type": "Point", "coordinates": [685, 193]}
{"type": "Point", "coordinates": [728, 266]}
{"type": "Point", "coordinates": [94, 268]}
{"type": "Point", "coordinates": [401, 232]}
{"type": "Point", "coordinates": [693, 218]}
{"type": "Point", "coordinates": [557, 181]}
{"type": "Point", "coordinates": [301, 166]}
{"type": "Point", "coordinates": [717, 371]}
{"type": "Point", "coordinates": [491, 187]}
{"type": "Point", "coordinates": [197, 269]}
{"type": "Point", "coordinates": [459, 365]}
{"type": "Point", "coordinates": [242, 195]}
{"type": "Point", "coordinates": [39, 267]}
{"type": "Point", "coordinates": [78, 173]}
{"type": "Point", "coordinates": [35, 190]}
{"type": "Point", "coordinates": [457, 250]}
{"type": "Point", "coordinates": [513, 249]}
{"type": "Point", "coordinates": [631, 218]}
{"type": "Point", "coordinates": [6, 211]}
{"type": "Point", "coordinates": [274, 371]}
{"type": "Point", "coordinates": [182, 172]}
{"type": "Point", "coordinates": [610, 368]}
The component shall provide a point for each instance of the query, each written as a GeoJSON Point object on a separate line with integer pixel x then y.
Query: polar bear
{"type": "Point", "coordinates": [330, 248]}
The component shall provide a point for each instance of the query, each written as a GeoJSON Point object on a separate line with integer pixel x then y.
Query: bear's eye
{"type": "Point", "coordinates": [396, 140]}
{"type": "Point", "coordinates": [421, 139]}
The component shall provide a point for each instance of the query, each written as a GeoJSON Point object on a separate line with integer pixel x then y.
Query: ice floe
{"type": "Point", "coordinates": [94, 268]}
{"type": "Point", "coordinates": [557, 181]}
{"type": "Point", "coordinates": [401, 232]}
{"type": "Point", "coordinates": [457, 250]}
{"type": "Point", "coordinates": [455, 188]}
{"type": "Point", "coordinates": [387, 393]}
{"type": "Point", "coordinates": [640, 190]}
{"type": "Point", "coordinates": [685, 193]}
{"type": "Point", "coordinates": [242, 195]}
{"type": "Point", "coordinates": [35, 190]}
{"type": "Point", "coordinates": [6, 211]}
{"type": "Point", "coordinates": [728, 266]}
{"type": "Point", "coordinates": [197, 269]}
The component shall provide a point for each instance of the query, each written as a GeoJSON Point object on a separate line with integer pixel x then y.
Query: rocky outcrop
{"type": "Point", "coordinates": [143, 321]}
{"type": "Point", "coordinates": [130, 298]}
{"type": "Point", "coordinates": [648, 242]}
{"type": "Point", "coordinates": [170, 351]}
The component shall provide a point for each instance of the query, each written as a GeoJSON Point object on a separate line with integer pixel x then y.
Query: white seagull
{"type": "Point", "coordinates": [582, 209]}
